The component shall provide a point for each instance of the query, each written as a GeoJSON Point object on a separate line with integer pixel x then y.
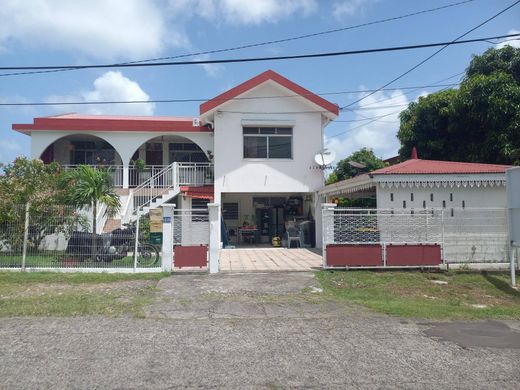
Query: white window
{"type": "Point", "coordinates": [268, 142]}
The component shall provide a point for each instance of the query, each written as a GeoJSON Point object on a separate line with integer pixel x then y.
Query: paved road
{"type": "Point", "coordinates": [259, 331]}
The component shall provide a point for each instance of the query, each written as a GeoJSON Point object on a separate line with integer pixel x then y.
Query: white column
{"type": "Point", "coordinates": [167, 241]}
{"type": "Point", "coordinates": [327, 210]}
{"type": "Point", "coordinates": [165, 153]}
{"type": "Point", "coordinates": [125, 175]}
{"type": "Point", "coordinates": [214, 237]}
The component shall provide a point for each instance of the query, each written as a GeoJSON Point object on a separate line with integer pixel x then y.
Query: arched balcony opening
{"type": "Point", "coordinates": [72, 151]}
{"type": "Point", "coordinates": [159, 152]}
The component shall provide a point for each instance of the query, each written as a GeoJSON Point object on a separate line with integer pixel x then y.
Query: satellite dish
{"type": "Point", "coordinates": [324, 157]}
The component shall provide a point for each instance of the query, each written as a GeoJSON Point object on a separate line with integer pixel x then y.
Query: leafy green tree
{"type": "Point", "coordinates": [479, 122]}
{"type": "Point", "coordinates": [26, 181]}
{"type": "Point", "coordinates": [345, 170]}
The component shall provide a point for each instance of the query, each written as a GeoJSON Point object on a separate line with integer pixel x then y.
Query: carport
{"type": "Point", "coordinates": [270, 259]}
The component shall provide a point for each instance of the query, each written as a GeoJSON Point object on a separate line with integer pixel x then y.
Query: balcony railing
{"type": "Point", "coordinates": [194, 174]}
{"type": "Point", "coordinates": [115, 170]}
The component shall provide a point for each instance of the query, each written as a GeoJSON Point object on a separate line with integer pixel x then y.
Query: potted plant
{"type": "Point", "coordinates": [138, 164]}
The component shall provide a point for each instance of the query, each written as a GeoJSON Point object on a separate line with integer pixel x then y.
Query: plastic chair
{"type": "Point", "coordinates": [293, 234]}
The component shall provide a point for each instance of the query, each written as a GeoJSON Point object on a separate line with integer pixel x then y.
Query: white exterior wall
{"type": "Point", "coordinates": [474, 197]}
{"type": "Point", "coordinates": [125, 143]}
{"type": "Point", "coordinates": [473, 234]}
{"type": "Point", "coordinates": [233, 173]}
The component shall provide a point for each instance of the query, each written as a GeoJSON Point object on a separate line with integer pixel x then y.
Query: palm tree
{"type": "Point", "coordinates": [90, 186]}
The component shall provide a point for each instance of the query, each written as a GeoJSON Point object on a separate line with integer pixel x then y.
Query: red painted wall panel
{"type": "Point", "coordinates": [190, 256]}
{"type": "Point", "coordinates": [369, 255]}
{"type": "Point", "coordinates": [413, 255]}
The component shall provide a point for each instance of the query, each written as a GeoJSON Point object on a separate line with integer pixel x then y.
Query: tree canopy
{"type": "Point", "coordinates": [345, 170]}
{"type": "Point", "coordinates": [31, 182]}
{"type": "Point", "coordinates": [479, 122]}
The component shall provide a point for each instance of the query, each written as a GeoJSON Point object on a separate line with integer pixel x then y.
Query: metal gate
{"type": "Point", "coordinates": [372, 238]}
{"type": "Point", "coordinates": [190, 237]}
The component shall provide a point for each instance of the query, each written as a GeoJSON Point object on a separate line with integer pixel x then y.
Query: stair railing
{"type": "Point", "coordinates": [155, 186]}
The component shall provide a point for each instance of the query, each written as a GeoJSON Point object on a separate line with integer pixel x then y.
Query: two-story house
{"type": "Point", "coordinates": [251, 150]}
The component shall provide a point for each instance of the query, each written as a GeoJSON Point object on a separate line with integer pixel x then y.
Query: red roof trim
{"type": "Point", "coordinates": [425, 167]}
{"type": "Point", "coordinates": [202, 192]}
{"type": "Point", "coordinates": [261, 78]}
{"type": "Point", "coordinates": [101, 123]}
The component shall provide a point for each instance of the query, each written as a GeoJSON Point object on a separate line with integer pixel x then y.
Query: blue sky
{"type": "Point", "coordinates": [44, 32]}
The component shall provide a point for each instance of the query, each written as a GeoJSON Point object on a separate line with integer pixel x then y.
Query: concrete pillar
{"type": "Point", "coordinates": [167, 242]}
{"type": "Point", "coordinates": [214, 237]}
{"type": "Point", "coordinates": [125, 175]}
{"type": "Point", "coordinates": [327, 211]}
{"type": "Point", "coordinates": [166, 153]}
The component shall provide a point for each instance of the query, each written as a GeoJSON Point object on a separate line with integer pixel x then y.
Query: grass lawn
{"type": "Point", "coordinates": [75, 294]}
{"type": "Point", "coordinates": [54, 260]}
{"type": "Point", "coordinates": [465, 295]}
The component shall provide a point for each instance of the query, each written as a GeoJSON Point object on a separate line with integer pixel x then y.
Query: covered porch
{"type": "Point", "coordinates": [147, 161]}
{"type": "Point", "coordinates": [266, 220]}
{"type": "Point", "coordinates": [133, 148]}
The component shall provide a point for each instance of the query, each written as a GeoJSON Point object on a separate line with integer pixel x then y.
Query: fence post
{"type": "Point", "coordinates": [327, 215]}
{"type": "Point", "coordinates": [25, 235]}
{"type": "Point", "coordinates": [167, 242]}
{"type": "Point", "coordinates": [136, 244]}
{"type": "Point", "coordinates": [214, 237]}
{"type": "Point", "coordinates": [513, 268]}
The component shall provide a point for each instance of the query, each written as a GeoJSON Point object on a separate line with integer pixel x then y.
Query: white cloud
{"type": "Point", "coordinates": [240, 12]}
{"type": "Point", "coordinates": [98, 28]}
{"type": "Point", "coordinates": [344, 8]}
{"type": "Point", "coordinates": [514, 43]}
{"type": "Point", "coordinates": [9, 150]}
{"type": "Point", "coordinates": [213, 70]}
{"type": "Point", "coordinates": [378, 135]}
{"type": "Point", "coordinates": [111, 86]}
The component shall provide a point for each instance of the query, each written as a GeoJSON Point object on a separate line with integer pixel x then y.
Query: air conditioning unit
{"type": "Point", "coordinates": [196, 122]}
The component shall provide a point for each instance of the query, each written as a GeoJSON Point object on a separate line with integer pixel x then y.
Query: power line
{"type": "Point", "coordinates": [259, 59]}
{"type": "Point", "coordinates": [107, 102]}
{"type": "Point", "coordinates": [258, 44]}
{"type": "Point", "coordinates": [374, 119]}
{"type": "Point", "coordinates": [456, 40]}
{"type": "Point", "coordinates": [436, 84]}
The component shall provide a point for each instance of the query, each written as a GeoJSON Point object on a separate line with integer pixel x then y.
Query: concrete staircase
{"type": "Point", "coordinates": [160, 188]}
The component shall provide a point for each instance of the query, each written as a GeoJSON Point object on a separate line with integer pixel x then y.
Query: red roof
{"type": "Point", "coordinates": [424, 167]}
{"type": "Point", "coordinates": [202, 192]}
{"type": "Point", "coordinates": [110, 123]}
{"type": "Point", "coordinates": [262, 78]}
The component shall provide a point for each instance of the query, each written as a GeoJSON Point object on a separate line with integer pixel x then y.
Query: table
{"type": "Point", "coordinates": [247, 232]}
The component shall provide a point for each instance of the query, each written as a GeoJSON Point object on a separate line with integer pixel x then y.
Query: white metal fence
{"type": "Point", "coordinates": [60, 238]}
{"type": "Point", "coordinates": [190, 227]}
{"type": "Point", "coordinates": [465, 235]}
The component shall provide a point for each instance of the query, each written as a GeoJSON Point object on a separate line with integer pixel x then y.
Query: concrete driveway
{"type": "Point", "coordinates": [253, 331]}
{"type": "Point", "coordinates": [269, 259]}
